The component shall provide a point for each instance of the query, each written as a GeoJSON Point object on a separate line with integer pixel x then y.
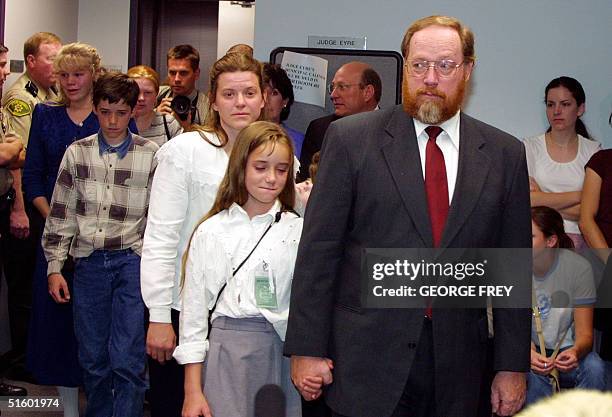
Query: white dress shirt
{"type": "Point", "coordinates": [448, 142]}
{"type": "Point", "coordinates": [218, 247]}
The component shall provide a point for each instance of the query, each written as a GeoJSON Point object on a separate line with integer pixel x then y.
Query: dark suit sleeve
{"type": "Point", "coordinates": [320, 251]}
{"type": "Point", "coordinates": [310, 146]}
{"type": "Point", "coordinates": [512, 326]}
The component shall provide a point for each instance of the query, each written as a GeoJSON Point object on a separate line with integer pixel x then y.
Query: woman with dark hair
{"type": "Point", "coordinates": [556, 159]}
{"type": "Point", "coordinates": [279, 98]}
{"type": "Point", "coordinates": [564, 295]}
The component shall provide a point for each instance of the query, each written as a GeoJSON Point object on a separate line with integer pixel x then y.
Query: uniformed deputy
{"type": "Point", "coordinates": [10, 148]}
{"type": "Point", "coordinates": [183, 72]}
{"type": "Point", "coordinates": [36, 85]}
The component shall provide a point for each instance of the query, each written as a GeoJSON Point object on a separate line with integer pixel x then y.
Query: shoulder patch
{"type": "Point", "coordinates": [18, 108]}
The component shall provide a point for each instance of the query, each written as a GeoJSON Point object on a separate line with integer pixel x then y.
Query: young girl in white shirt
{"type": "Point", "coordinates": [240, 265]}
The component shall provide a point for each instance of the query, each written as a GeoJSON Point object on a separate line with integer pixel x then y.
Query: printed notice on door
{"type": "Point", "coordinates": [308, 75]}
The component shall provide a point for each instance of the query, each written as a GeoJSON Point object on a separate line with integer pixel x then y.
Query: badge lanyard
{"type": "Point", "coordinates": [276, 220]}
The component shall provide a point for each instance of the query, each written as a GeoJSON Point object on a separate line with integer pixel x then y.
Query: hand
{"type": "Point", "coordinates": [161, 341]}
{"type": "Point", "coordinates": [20, 224]}
{"type": "Point", "coordinates": [309, 373]}
{"type": "Point", "coordinates": [533, 185]}
{"type": "Point", "coordinates": [508, 392]}
{"type": "Point", "coordinates": [567, 360]}
{"type": "Point", "coordinates": [164, 106]}
{"type": "Point", "coordinates": [58, 288]}
{"type": "Point", "coordinates": [540, 364]}
{"type": "Point", "coordinates": [302, 191]}
{"type": "Point", "coordinates": [195, 405]}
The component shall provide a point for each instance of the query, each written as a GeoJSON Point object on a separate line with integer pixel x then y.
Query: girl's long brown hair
{"type": "Point", "coordinates": [233, 188]}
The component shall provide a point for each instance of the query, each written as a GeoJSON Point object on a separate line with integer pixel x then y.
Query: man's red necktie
{"type": "Point", "coordinates": [436, 188]}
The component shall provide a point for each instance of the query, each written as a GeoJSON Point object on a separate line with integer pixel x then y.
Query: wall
{"type": "Point", "coordinates": [520, 44]}
{"type": "Point", "coordinates": [188, 22]}
{"type": "Point", "coordinates": [106, 25]}
{"type": "Point", "coordinates": [26, 17]}
{"type": "Point", "coordinates": [236, 25]}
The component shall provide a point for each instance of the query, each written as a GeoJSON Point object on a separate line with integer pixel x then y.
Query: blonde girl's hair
{"type": "Point", "coordinates": [144, 71]}
{"type": "Point", "coordinates": [233, 188]}
{"type": "Point", "coordinates": [232, 62]}
{"type": "Point", "coordinates": [77, 56]}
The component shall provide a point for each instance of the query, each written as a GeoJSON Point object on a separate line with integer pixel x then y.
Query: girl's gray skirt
{"type": "Point", "coordinates": [243, 356]}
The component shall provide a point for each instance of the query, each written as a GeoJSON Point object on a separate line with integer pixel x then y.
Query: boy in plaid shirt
{"type": "Point", "coordinates": [98, 215]}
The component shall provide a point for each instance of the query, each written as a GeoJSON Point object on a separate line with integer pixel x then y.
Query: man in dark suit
{"type": "Point", "coordinates": [394, 179]}
{"type": "Point", "coordinates": [356, 88]}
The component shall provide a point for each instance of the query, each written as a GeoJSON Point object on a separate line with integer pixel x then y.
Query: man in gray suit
{"type": "Point", "coordinates": [420, 175]}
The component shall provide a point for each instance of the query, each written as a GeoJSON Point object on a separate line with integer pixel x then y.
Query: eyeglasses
{"type": "Point", "coordinates": [341, 87]}
{"type": "Point", "coordinates": [444, 67]}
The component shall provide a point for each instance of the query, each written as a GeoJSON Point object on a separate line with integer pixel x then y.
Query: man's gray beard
{"type": "Point", "coordinates": [429, 113]}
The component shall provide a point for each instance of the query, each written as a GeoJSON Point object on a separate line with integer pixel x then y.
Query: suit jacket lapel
{"type": "Point", "coordinates": [401, 152]}
{"type": "Point", "coordinates": [474, 165]}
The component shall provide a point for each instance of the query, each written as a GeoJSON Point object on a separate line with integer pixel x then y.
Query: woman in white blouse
{"type": "Point", "coordinates": [189, 171]}
{"type": "Point", "coordinates": [556, 159]}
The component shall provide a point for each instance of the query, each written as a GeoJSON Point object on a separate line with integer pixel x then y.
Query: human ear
{"type": "Point", "coordinates": [369, 92]}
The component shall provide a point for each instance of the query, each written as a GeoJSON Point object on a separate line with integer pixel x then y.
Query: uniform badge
{"type": "Point", "coordinates": [18, 108]}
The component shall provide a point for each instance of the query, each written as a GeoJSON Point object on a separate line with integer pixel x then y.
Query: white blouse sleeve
{"type": "Point", "coordinates": [167, 212]}
{"type": "Point", "coordinates": [206, 270]}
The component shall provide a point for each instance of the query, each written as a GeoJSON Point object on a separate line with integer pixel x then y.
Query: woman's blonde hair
{"type": "Point", "coordinates": [232, 62]}
{"type": "Point", "coordinates": [144, 71]}
{"type": "Point", "coordinates": [233, 187]}
{"type": "Point", "coordinates": [77, 56]}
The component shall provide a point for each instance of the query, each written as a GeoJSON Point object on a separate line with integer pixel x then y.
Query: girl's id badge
{"type": "Point", "coordinates": [265, 290]}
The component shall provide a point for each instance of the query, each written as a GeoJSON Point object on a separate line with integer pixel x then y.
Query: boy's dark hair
{"type": "Point", "coordinates": [114, 87]}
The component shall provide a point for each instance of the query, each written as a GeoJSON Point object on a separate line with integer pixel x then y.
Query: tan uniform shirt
{"type": "Point", "coordinates": [19, 101]}
{"type": "Point", "coordinates": [6, 179]}
{"type": "Point", "coordinates": [202, 102]}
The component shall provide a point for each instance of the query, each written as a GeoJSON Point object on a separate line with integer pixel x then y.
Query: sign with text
{"type": "Point", "coordinates": [336, 42]}
{"type": "Point", "coordinates": [308, 74]}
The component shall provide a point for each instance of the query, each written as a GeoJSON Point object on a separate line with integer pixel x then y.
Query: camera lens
{"type": "Point", "coordinates": [181, 105]}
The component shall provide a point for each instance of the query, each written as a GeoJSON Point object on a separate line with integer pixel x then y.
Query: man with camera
{"type": "Point", "coordinates": [181, 98]}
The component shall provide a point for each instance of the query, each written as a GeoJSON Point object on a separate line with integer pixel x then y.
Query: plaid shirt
{"type": "Point", "coordinates": [100, 200]}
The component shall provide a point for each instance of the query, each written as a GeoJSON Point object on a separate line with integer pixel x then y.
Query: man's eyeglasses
{"type": "Point", "coordinates": [341, 87]}
{"type": "Point", "coordinates": [444, 67]}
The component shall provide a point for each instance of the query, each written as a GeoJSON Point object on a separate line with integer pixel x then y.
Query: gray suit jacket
{"type": "Point", "coordinates": [370, 194]}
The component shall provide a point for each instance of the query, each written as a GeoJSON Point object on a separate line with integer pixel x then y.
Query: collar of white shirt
{"type": "Point", "coordinates": [236, 210]}
{"type": "Point", "coordinates": [450, 127]}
